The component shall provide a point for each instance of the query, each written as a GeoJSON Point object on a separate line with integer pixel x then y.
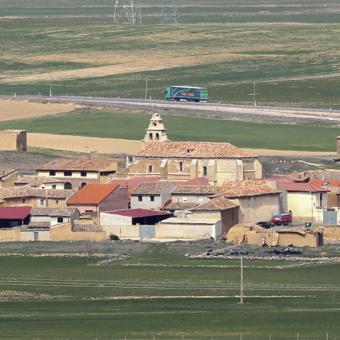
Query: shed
{"type": "Point", "coordinates": [14, 216]}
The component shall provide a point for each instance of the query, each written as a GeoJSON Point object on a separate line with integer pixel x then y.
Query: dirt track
{"type": "Point", "coordinates": [122, 146]}
{"type": "Point", "coordinates": [22, 109]}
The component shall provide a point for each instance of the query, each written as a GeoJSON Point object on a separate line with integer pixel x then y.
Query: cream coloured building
{"type": "Point", "coordinates": [218, 162]}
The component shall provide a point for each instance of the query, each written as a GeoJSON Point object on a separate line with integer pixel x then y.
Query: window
{"type": "Point", "coordinates": [150, 136]}
{"type": "Point", "coordinates": [205, 171]}
{"type": "Point", "coordinates": [150, 168]}
{"type": "Point", "coordinates": [67, 186]}
{"type": "Point", "coordinates": [41, 202]}
{"type": "Point", "coordinates": [157, 136]}
{"type": "Point", "coordinates": [82, 185]}
{"type": "Point", "coordinates": [52, 173]}
{"type": "Point", "coordinates": [57, 202]}
{"type": "Point", "coordinates": [140, 198]}
{"type": "Point", "coordinates": [180, 166]}
{"type": "Point", "coordinates": [60, 219]}
{"type": "Point", "coordinates": [54, 186]}
{"type": "Point", "coordinates": [83, 173]}
{"type": "Point", "coordinates": [23, 200]}
{"type": "Point", "coordinates": [152, 198]}
{"type": "Point", "coordinates": [67, 173]}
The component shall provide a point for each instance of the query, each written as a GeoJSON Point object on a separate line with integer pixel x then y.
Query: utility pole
{"type": "Point", "coordinates": [170, 12]}
{"type": "Point", "coordinates": [146, 89]}
{"type": "Point", "coordinates": [51, 86]}
{"type": "Point", "coordinates": [254, 94]}
{"type": "Point", "coordinates": [241, 281]}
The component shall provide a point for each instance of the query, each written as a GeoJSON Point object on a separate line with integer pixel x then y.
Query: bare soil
{"type": "Point", "coordinates": [123, 146]}
{"type": "Point", "coordinates": [22, 109]}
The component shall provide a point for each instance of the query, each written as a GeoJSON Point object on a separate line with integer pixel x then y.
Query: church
{"type": "Point", "coordinates": [218, 162]}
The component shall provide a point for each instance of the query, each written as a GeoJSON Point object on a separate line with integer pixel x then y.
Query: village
{"type": "Point", "coordinates": [167, 191]}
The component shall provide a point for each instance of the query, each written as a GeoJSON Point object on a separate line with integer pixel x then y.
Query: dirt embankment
{"type": "Point", "coordinates": [11, 109]}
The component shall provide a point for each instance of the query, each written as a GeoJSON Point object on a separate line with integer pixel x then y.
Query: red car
{"type": "Point", "coordinates": [280, 219]}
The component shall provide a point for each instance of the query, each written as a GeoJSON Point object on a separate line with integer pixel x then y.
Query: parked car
{"type": "Point", "coordinates": [280, 219]}
{"type": "Point", "coordinates": [264, 224]}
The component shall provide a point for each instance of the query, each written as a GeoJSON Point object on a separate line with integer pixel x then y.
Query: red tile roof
{"type": "Point", "coordinates": [92, 194]}
{"type": "Point", "coordinates": [139, 213]}
{"type": "Point", "coordinates": [301, 187]}
{"type": "Point", "coordinates": [197, 181]}
{"type": "Point", "coordinates": [192, 150]}
{"type": "Point", "coordinates": [246, 188]}
{"type": "Point", "coordinates": [14, 213]}
{"type": "Point", "coordinates": [325, 183]}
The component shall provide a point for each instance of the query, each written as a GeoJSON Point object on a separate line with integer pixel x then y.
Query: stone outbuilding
{"type": "Point", "coordinates": [13, 140]}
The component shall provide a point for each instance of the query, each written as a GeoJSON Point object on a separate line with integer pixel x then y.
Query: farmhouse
{"type": "Point", "coordinates": [258, 200]}
{"type": "Point", "coordinates": [150, 195]}
{"type": "Point", "coordinates": [306, 201]}
{"type": "Point", "coordinates": [95, 198]}
{"type": "Point", "coordinates": [91, 169]}
{"type": "Point", "coordinates": [169, 160]}
{"type": "Point", "coordinates": [38, 198]}
{"type": "Point", "coordinates": [53, 216]}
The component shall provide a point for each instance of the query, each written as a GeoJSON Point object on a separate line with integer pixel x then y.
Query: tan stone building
{"type": "Point", "coordinates": [13, 140]}
{"type": "Point", "coordinates": [78, 172]}
{"type": "Point", "coordinates": [217, 162]}
{"type": "Point", "coordinates": [258, 200]}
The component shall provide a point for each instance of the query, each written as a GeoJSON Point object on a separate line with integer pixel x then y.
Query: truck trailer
{"type": "Point", "coordinates": [186, 93]}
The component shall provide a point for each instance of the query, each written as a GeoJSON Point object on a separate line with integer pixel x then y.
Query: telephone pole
{"type": "Point", "coordinates": [241, 281]}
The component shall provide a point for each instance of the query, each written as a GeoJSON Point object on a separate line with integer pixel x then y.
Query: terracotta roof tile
{"type": "Point", "coordinates": [246, 188]}
{"type": "Point", "coordinates": [22, 192]}
{"type": "Point", "coordinates": [92, 194]}
{"type": "Point", "coordinates": [215, 204]}
{"type": "Point", "coordinates": [91, 163]}
{"type": "Point", "coordinates": [194, 189]}
{"type": "Point", "coordinates": [152, 188]}
{"type": "Point", "coordinates": [192, 150]}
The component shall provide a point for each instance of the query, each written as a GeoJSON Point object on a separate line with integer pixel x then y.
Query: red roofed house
{"type": "Point", "coordinates": [306, 201]}
{"type": "Point", "coordinates": [184, 160]}
{"type": "Point", "coordinates": [95, 198]}
{"type": "Point", "coordinates": [258, 200]}
{"type": "Point", "coordinates": [14, 216]}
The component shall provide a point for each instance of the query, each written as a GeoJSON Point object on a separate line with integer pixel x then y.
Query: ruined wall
{"type": "Point", "coordinates": [13, 140]}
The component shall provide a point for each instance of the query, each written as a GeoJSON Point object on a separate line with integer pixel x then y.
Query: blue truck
{"type": "Point", "coordinates": [186, 93]}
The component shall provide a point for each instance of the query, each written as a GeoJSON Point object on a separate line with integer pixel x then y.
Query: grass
{"type": "Point", "coordinates": [41, 293]}
{"type": "Point", "coordinates": [127, 125]}
{"type": "Point", "coordinates": [292, 64]}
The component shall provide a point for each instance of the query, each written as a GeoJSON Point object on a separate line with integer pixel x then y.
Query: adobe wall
{"type": "Point", "coordinates": [7, 235]}
{"type": "Point", "coordinates": [13, 140]}
{"type": "Point", "coordinates": [64, 232]}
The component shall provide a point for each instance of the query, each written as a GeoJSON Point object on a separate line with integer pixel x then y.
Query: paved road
{"type": "Point", "coordinates": [224, 110]}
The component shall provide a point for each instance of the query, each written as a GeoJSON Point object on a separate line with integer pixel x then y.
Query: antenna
{"type": "Point", "coordinates": [170, 12]}
{"type": "Point", "coordinates": [127, 12]}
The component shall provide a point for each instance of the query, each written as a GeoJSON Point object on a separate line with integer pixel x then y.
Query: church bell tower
{"type": "Point", "coordinates": [156, 130]}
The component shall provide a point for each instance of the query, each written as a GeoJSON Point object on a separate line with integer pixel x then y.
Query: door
{"type": "Point", "coordinates": [36, 235]}
{"type": "Point", "coordinates": [147, 231]}
{"type": "Point", "coordinates": [330, 217]}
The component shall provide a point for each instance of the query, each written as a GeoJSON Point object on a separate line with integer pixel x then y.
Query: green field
{"type": "Point", "coordinates": [290, 50]}
{"type": "Point", "coordinates": [158, 293]}
{"type": "Point", "coordinates": [128, 125]}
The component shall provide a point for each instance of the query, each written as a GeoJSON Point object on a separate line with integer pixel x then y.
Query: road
{"type": "Point", "coordinates": [225, 111]}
